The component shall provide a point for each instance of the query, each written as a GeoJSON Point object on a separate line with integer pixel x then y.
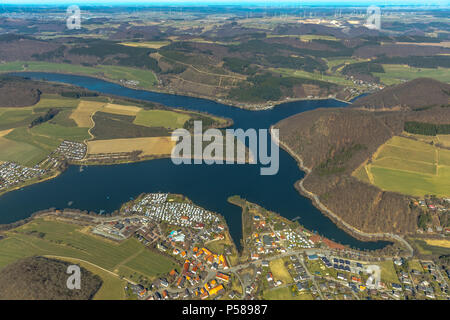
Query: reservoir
{"type": "Point", "coordinates": [105, 188]}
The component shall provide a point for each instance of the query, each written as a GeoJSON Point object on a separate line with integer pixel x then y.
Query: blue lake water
{"type": "Point", "coordinates": [105, 188]}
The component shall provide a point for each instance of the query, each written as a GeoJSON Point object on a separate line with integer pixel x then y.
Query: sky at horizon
{"type": "Point", "coordinates": [233, 2]}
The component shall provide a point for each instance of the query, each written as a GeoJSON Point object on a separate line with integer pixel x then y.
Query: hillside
{"type": "Point", "coordinates": [21, 92]}
{"type": "Point", "coordinates": [39, 278]}
{"type": "Point", "coordinates": [333, 143]}
{"type": "Point", "coordinates": [418, 93]}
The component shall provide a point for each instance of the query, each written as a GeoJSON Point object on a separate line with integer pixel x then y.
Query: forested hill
{"type": "Point", "coordinates": [21, 92]}
{"type": "Point", "coordinates": [415, 94]}
{"type": "Point", "coordinates": [39, 278]}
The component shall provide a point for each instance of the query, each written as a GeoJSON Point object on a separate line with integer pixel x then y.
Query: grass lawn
{"type": "Point", "coordinates": [279, 271]}
{"type": "Point", "coordinates": [161, 118]}
{"type": "Point", "coordinates": [49, 237]}
{"type": "Point", "coordinates": [285, 293]}
{"type": "Point", "coordinates": [388, 274]}
{"type": "Point", "coordinates": [415, 265]}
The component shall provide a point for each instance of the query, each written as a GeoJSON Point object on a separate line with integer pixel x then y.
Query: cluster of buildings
{"type": "Point", "coordinates": [133, 83]}
{"type": "Point", "coordinates": [265, 240]}
{"type": "Point", "coordinates": [13, 174]}
{"type": "Point", "coordinates": [72, 150]}
{"type": "Point", "coordinates": [120, 229]}
{"type": "Point", "coordinates": [154, 206]}
{"type": "Point", "coordinates": [199, 277]}
{"type": "Point", "coordinates": [437, 208]}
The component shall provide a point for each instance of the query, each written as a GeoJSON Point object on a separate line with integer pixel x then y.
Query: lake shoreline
{"type": "Point", "coordinates": [236, 104]}
{"type": "Point", "coordinates": [358, 234]}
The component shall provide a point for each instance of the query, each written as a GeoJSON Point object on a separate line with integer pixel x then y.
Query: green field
{"type": "Point", "coordinates": [43, 145]}
{"type": "Point", "coordinates": [425, 248]}
{"type": "Point", "coordinates": [395, 73]}
{"type": "Point", "coordinates": [20, 152]}
{"type": "Point", "coordinates": [285, 294]}
{"type": "Point", "coordinates": [161, 118]}
{"type": "Point", "coordinates": [313, 76]}
{"type": "Point", "coordinates": [58, 132]}
{"type": "Point", "coordinates": [112, 286]}
{"type": "Point", "coordinates": [54, 238]}
{"type": "Point", "coordinates": [146, 78]}
{"type": "Point", "coordinates": [388, 274]}
{"type": "Point", "coordinates": [48, 101]}
{"type": "Point", "coordinates": [14, 117]}
{"type": "Point", "coordinates": [410, 167]}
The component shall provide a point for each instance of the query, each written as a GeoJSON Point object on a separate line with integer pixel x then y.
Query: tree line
{"type": "Point", "coordinates": [427, 129]}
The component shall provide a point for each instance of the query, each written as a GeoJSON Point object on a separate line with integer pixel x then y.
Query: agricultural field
{"type": "Point", "coordinates": [161, 118]}
{"type": "Point", "coordinates": [64, 240]}
{"type": "Point", "coordinates": [61, 132]}
{"type": "Point", "coordinates": [150, 146]}
{"type": "Point", "coordinates": [395, 74]}
{"type": "Point", "coordinates": [444, 139]}
{"type": "Point", "coordinates": [438, 243]}
{"type": "Point", "coordinates": [115, 126]}
{"type": "Point", "coordinates": [121, 109]}
{"type": "Point", "coordinates": [147, 44]}
{"type": "Point", "coordinates": [82, 115]}
{"type": "Point", "coordinates": [410, 167]}
{"type": "Point", "coordinates": [428, 249]}
{"type": "Point", "coordinates": [48, 101]}
{"type": "Point", "coordinates": [20, 152]}
{"type": "Point", "coordinates": [15, 117]}
{"type": "Point", "coordinates": [105, 126]}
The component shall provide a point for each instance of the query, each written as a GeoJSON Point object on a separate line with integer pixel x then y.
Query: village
{"type": "Point", "coordinates": [13, 175]}
{"type": "Point", "coordinates": [434, 215]}
{"type": "Point", "coordinates": [279, 260]}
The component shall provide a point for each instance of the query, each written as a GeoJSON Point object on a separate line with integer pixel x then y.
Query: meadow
{"type": "Point", "coordinates": [395, 73]}
{"type": "Point", "coordinates": [279, 271]}
{"type": "Point", "coordinates": [410, 167]}
{"type": "Point", "coordinates": [147, 44]}
{"type": "Point", "coordinates": [161, 118]}
{"type": "Point", "coordinates": [285, 293]}
{"type": "Point", "coordinates": [60, 239]}
{"type": "Point", "coordinates": [388, 273]}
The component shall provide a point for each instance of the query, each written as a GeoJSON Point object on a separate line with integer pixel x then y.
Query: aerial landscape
{"type": "Point", "coordinates": [226, 151]}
